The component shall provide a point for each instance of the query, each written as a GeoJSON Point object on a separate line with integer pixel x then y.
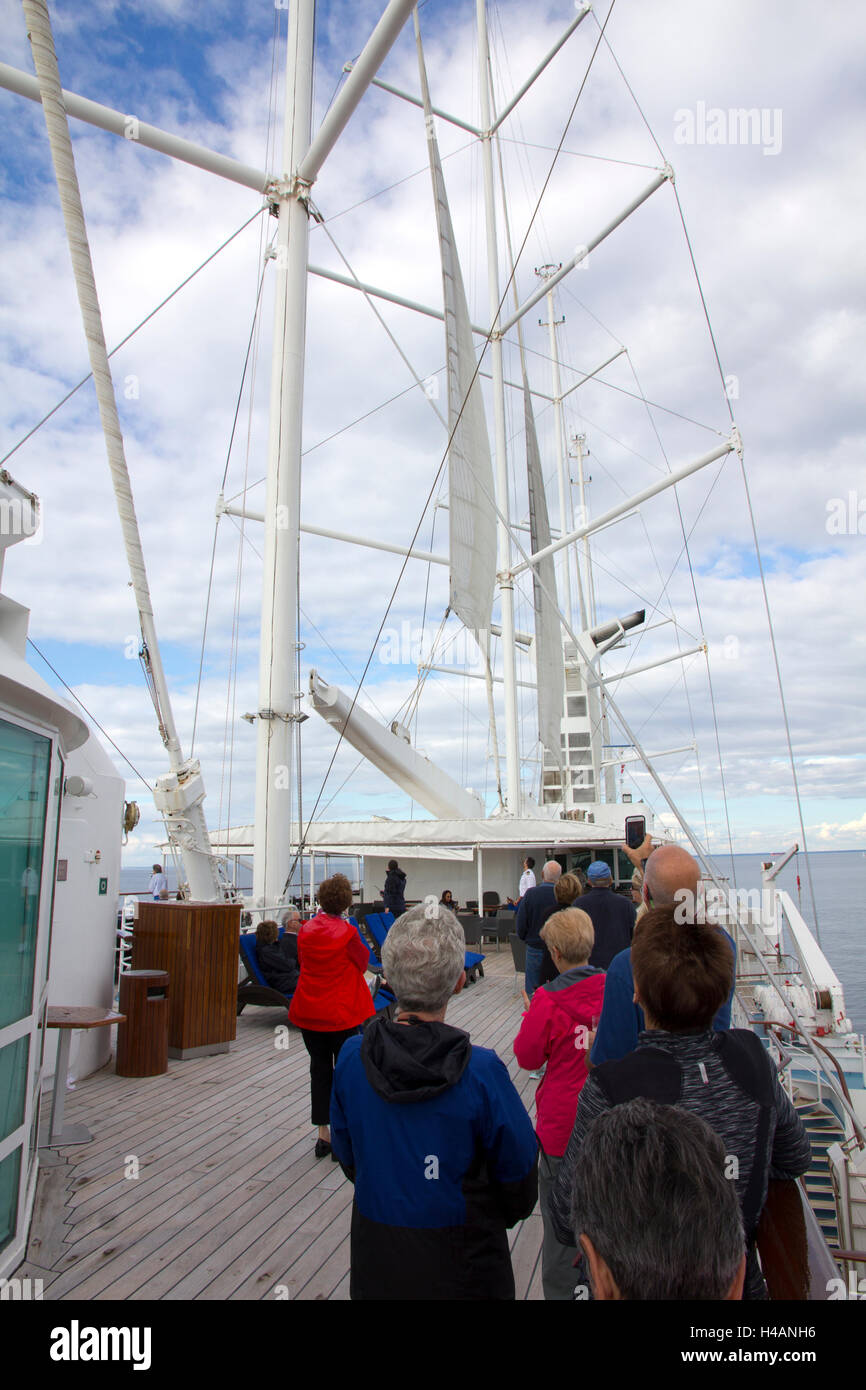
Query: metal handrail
{"type": "Point", "coordinates": [809, 1042]}
{"type": "Point", "coordinates": [793, 1028]}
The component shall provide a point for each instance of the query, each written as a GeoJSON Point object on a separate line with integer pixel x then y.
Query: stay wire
{"type": "Point", "coordinates": [91, 717]}
{"type": "Point", "coordinates": [764, 593]}
{"type": "Point", "coordinates": [222, 488]}
{"type": "Point", "coordinates": [723, 781]}
{"type": "Point", "coordinates": [84, 380]}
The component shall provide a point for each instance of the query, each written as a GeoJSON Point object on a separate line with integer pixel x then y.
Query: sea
{"type": "Point", "coordinates": [838, 879]}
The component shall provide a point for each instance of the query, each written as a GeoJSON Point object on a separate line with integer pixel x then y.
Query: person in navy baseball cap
{"type": "Point", "coordinates": [612, 916]}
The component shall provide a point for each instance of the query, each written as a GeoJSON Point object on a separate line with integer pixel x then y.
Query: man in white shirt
{"type": "Point", "coordinates": [158, 883]}
{"type": "Point", "coordinates": [527, 878]}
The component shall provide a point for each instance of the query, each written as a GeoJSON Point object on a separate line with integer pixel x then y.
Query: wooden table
{"type": "Point", "coordinates": [68, 1017]}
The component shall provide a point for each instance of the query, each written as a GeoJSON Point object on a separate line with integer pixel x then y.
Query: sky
{"type": "Point", "coordinates": [772, 208]}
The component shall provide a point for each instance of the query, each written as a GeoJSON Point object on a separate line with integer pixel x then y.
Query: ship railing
{"type": "Point", "coordinates": [806, 1044]}
{"type": "Point", "coordinates": [820, 1257]}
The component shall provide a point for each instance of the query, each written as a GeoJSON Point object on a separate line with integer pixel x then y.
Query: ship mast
{"type": "Point", "coordinates": [504, 577]}
{"type": "Point", "coordinates": [279, 700]}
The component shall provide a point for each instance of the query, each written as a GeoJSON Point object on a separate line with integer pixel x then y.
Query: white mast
{"type": "Point", "coordinates": [278, 699]}
{"type": "Point", "coordinates": [566, 519]}
{"type": "Point", "coordinates": [506, 585]}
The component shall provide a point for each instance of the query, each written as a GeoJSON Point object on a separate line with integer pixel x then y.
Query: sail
{"type": "Point", "coordinates": [550, 670]}
{"type": "Point", "coordinates": [472, 520]}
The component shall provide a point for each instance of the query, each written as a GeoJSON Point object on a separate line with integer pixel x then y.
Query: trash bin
{"type": "Point", "coordinates": [142, 1041]}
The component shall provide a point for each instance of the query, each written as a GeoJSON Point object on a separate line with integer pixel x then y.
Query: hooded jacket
{"type": "Point", "coordinates": [555, 1030]}
{"type": "Point", "coordinates": [392, 894]}
{"type": "Point", "coordinates": [332, 994]}
{"type": "Point", "coordinates": [443, 1157]}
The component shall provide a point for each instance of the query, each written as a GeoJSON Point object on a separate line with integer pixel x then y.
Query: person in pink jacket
{"type": "Point", "coordinates": [558, 1028]}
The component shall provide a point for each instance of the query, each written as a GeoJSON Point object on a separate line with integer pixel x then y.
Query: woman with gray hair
{"type": "Point", "coordinates": [432, 1132]}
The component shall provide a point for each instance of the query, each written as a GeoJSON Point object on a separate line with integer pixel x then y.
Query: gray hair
{"type": "Point", "coordinates": [551, 871]}
{"type": "Point", "coordinates": [290, 915]}
{"type": "Point", "coordinates": [423, 955]}
{"type": "Point", "coordinates": [651, 1194]}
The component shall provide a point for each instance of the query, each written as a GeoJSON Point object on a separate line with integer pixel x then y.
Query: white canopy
{"type": "Point", "coordinates": [440, 838]}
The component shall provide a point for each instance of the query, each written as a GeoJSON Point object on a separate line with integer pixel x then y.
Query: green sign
{"type": "Point", "coordinates": [103, 887]}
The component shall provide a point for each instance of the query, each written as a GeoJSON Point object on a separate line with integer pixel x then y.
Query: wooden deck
{"type": "Point", "coordinates": [229, 1201]}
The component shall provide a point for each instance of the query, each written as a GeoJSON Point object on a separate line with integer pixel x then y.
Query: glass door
{"type": "Point", "coordinates": [30, 787]}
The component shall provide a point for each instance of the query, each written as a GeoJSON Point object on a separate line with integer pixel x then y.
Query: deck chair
{"type": "Point", "coordinates": [374, 955]}
{"type": "Point", "coordinates": [499, 927]}
{"type": "Point", "coordinates": [383, 998]}
{"type": "Point", "coordinates": [253, 989]}
{"type": "Point", "coordinates": [377, 924]}
{"type": "Point", "coordinates": [474, 960]}
{"type": "Point", "coordinates": [518, 955]}
{"type": "Point", "coordinates": [473, 964]}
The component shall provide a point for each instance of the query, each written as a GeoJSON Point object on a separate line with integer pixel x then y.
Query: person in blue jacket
{"type": "Point", "coordinates": [432, 1133]}
{"type": "Point", "coordinates": [671, 875]}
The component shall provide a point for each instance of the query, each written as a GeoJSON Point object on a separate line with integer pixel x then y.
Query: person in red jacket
{"type": "Point", "coordinates": [332, 999]}
{"type": "Point", "coordinates": [558, 1029]}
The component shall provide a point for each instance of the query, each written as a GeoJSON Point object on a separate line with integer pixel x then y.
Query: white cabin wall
{"type": "Point", "coordinates": [84, 931]}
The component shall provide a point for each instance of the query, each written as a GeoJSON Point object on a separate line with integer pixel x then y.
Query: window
{"type": "Point", "coordinates": [576, 706]}
{"type": "Point", "coordinates": [578, 741]}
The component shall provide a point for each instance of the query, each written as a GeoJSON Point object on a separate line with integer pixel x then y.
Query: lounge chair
{"type": "Point", "coordinates": [518, 955]}
{"type": "Point", "coordinates": [254, 989]}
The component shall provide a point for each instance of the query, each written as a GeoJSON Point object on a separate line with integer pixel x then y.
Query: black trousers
{"type": "Point", "coordinates": [324, 1049]}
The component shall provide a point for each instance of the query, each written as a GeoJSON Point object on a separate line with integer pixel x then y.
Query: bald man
{"type": "Point", "coordinates": [669, 871]}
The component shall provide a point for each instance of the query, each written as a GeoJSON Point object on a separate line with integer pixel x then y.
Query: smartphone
{"type": "Point", "coordinates": [635, 831]}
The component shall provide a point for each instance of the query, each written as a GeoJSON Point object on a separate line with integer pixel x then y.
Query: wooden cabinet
{"type": "Point", "coordinates": [197, 943]}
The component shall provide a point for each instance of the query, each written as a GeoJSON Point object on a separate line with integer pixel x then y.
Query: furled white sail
{"type": "Point", "coordinates": [421, 779]}
{"type": "Point", "coordinates": [470, 474]}
{"type": "Point", "coordinates": [548, 633]}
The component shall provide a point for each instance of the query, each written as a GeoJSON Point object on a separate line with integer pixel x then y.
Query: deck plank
{"type": "Point", "coordinates": [230, 1202]}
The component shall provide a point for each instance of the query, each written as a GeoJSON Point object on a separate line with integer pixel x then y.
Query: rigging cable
{"type": "Point", "coordinates": [91, 717]}
{"type": "Point", "coordinates": [740, 454]}
{"type": "Point", "coordinates": [84, 380]}
{"type": "Point", "coordinates": [256, 320]}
